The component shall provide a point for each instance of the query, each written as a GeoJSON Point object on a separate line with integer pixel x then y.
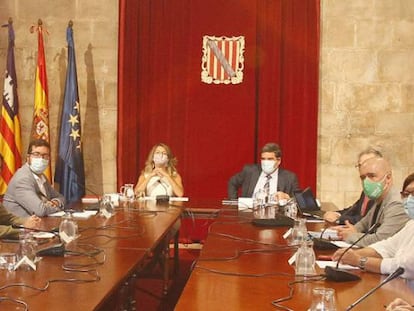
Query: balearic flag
{"type": "Point", "coordinates": [10, 136]}
{"type": "Point", "coordinates": [40, 125]}
{"type": "Point", "coordinates": [70, 172]}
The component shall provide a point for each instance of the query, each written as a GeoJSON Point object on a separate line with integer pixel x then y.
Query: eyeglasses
{"type": "Point", "coordinates": [406, 193]}
{"type": "Point", "coordinates": [45, 156]}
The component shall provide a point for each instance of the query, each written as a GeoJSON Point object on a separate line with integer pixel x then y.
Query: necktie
{"type": "Point", "coordinates": [364, 206]}
{"type": "Point", "coordinates": [266, 187]}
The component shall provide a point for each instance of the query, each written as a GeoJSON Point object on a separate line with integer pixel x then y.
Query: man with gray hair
{"type": "Point", "coordinates": [267, 176]}
{"type": "Point", "coordinates": [387, 212]}
{"type": "Point", "coordinates": [361, 207]}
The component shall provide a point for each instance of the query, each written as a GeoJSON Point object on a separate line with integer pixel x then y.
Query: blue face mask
{"type": "Point", "coordinates": [409, 206]}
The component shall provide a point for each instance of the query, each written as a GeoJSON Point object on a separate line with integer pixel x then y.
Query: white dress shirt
{"type": "Point", "coordinates": [272, 182]}
{"type": "Point", "coordinates": [397, 251]}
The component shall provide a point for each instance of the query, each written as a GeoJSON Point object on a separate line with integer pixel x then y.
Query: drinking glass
{"type": "Point", "coordinates": [8, 261]}
{"type": "Point", "coordinates": [323, 299]}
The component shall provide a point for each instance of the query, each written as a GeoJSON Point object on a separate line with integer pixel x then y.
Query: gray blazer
{"type": "Point", "coordinates": [391, 217]}
{"type": "Point", "coordinates": [24, 198]}
{"type": "Point", "coordinates": [247, 179]}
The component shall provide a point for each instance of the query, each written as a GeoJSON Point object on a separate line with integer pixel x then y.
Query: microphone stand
{"type": "Point", "coordinates": [323, 244]}
{"type": "Point", "coordinates": [162, 198]}
{"type": "Point", "coordinates": [341, 275]}
{"type": "Point", "coordinates": [391, 277]}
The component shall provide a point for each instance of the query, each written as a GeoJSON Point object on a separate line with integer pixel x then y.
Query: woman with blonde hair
{"type": "Point", "coordinates": [160, 176]}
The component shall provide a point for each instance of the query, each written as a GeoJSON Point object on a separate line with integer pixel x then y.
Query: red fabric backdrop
{"type": "Point", "coordinates": [215, 129]}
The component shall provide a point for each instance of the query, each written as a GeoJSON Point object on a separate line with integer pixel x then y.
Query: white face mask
{"type": "Point", "coordinates": [268, 166]}
{"type": "Point", "coordinates": [160, 159]}
{"type": "Point", "coordinates": [38, 165]}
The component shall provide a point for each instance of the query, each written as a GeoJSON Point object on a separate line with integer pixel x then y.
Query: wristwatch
{"type": "Point", "coordinates": [362, 262]}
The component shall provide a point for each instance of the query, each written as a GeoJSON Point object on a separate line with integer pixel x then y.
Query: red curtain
{"type": "Point", "coordinates": [215, 129]}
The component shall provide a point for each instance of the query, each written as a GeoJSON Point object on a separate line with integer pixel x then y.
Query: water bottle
{"type": "Point", "coordinates": [305, 259]}
{"type": "Point", "coordinates": [299, 232]}
{"type": "Point", "coordinates": [68, 229]}
{"type": "Point", "coordinates": [27, 248]}
{"type": "Point", "coordinates": [259, 200]}
{"type": "Point", "coordinates": [291, 209]}
{"type": "Point", "coordinates": [106, 206]}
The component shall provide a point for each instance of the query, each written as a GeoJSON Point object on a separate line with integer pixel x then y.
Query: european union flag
{"type": "Point", "coordinates": [70, 173]}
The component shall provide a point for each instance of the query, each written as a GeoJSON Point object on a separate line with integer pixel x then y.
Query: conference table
{"type": "Point", "coordinates": [245, 267]}
{"type": "Point", "coordinates": [99, 269]}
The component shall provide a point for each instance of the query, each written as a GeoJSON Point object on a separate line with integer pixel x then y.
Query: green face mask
{"type": "Point", "coordinates": [373, 189]}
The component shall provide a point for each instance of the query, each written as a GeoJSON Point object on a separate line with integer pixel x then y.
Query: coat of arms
{"type": "Point", "coordinates": [222, 60]}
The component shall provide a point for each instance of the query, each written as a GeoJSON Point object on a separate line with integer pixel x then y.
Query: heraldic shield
{"type": "Point", "coordinates": [222, 60]}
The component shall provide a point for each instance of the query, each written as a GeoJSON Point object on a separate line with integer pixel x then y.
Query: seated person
{"type": "Point", "coordinates": [7, 220]}
{"type": "Point", "coordinates": [388, 255]}
{"type": "Point", "coordinates": [267, 176]}
{"type": "Point", "coordinates": [160, 176]}
{"type": "Point", "coordinates": [388, 211]}
{"type": "Point", "coordinates": [361, 207]}
{"type": "Point", "coordinates": [399, 304]}
{"type": "Point", "coordinates": [29, 192]}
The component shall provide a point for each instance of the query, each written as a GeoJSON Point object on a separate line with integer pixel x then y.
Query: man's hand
{"type": "Point", "coordinates": [32, 222]}
{"type": "Point", "coordinates": [331, 216]}
{"type": "Point", "coordinates": [349, 258]}
{"type": "Point", "coordinates": [282, 196]}
{"type": "Point", "coordinates": [346, 230]}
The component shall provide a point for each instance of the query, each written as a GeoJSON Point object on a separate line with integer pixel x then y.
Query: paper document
{"type": "Point", "coordinates": [57, 214]}
{"type": "Point", "coordinates": [328, 234]}
{"type": "Point", "coordinates": [84, 214]}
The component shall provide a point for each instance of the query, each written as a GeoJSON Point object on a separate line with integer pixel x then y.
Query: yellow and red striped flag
{"type": "Point", "coordinates": [10, 136]}
{"type": "Point", "coordinates": [40, 125]}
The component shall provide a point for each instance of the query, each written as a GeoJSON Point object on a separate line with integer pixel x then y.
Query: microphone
{"type": "Point", "coordinates": [94, 206]}
{"type": "Point", "coordinates": [55, 250]}
{"type": "Point", "coordinates": [162, 198]}
{"type": "Point", "coordinates": [323, 244]}
{"type": "Point", "coordinates": [391, 277]}
{"type": "Point", "coordinates": [341, 275]}
{"type": "Point", "coordinates": [54, 231]}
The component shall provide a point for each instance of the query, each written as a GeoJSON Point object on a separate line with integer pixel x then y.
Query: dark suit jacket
{"type": "Point", "coordinates": [247, 179]}
{"type": "Point", "coordinates": [353, 213]}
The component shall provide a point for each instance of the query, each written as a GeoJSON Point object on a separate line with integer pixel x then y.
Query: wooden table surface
{"type": "Point", "coordinates": [243, 267]}
{"type": "Point", "coordinates": [125, 240]}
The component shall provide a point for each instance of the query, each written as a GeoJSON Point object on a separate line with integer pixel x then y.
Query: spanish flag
{"type": "Point", "coordinates": [40, 125]}
{"type": "Point", "coordinates": [10, 136]}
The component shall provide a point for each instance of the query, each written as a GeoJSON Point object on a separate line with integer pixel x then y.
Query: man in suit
{"type": "Point", "coordinates": [360, 208]}
{"type": "Point", "coordinates": [388, 210]}
{"type": "Point", "coordinates": [7, 220]}
{"type": "Point", "coordinates": [29, 192]}
{"type": "Point", "coordinates": [267, 176]}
